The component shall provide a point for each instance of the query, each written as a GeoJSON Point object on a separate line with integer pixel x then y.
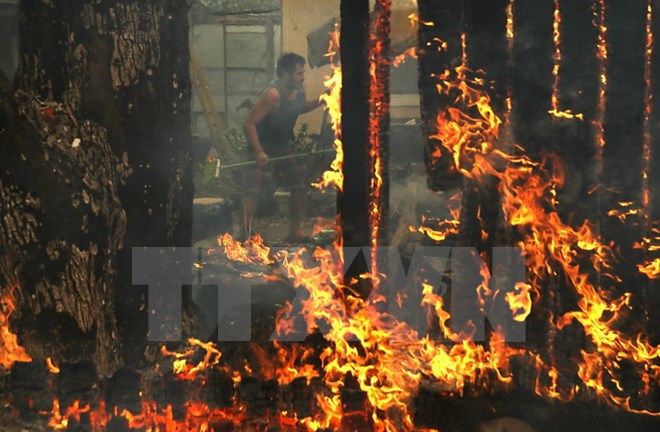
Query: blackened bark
{"type": "Point", "coordinates": [95, 160]}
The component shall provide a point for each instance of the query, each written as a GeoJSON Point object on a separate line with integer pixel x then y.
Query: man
{"type": "Point", "coordinates": [269, 133]}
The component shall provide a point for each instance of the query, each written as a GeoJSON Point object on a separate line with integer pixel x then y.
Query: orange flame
{"type": "Point", "coordinates": [520, 301]}
{"type": "Point", "coordinates": [602, 54]}
{"type": "Point", "coordinates": [184, 370]}
{"type": "Point", "coordinates": [332, 101]}
{"type": "Point", "coordinates": [414, 19]}
{"type": "Point", "coordinates": [648, 98]}
{"type": "Point", "coordinates": [52, 368]}
{"type": "Point", "coordinates": [252, 250]}
{"type": "Point", "coordinates": [401, 58]}
{"type": "Point", "coordinates": [510, 23]}
{"type": "Point", "coordinates": [556, 33]}
{"type": "Point", "coordinates": [59, 421]}
{"type": "Point", "coordinates": [651, 269]}
{"type": "Point", "coordinates": [10, 351]}
{"type": "Point", "coordinates": [445, 229]}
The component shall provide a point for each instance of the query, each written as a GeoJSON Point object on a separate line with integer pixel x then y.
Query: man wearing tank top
{"type": "Point", "coordinates": [269, 132]}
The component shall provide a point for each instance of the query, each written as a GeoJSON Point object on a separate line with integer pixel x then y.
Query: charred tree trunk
{"type": "Point", "coordinates": [95, 160]}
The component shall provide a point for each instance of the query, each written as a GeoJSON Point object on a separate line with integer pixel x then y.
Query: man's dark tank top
{"type": "Point", "coordinates": [276, 129]}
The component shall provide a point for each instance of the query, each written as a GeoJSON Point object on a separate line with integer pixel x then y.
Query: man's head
{"type": "Point", "coordinates": [291, 69]}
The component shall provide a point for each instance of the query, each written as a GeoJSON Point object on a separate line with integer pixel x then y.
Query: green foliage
{"type": "Point", "coordinates": [303, 142]}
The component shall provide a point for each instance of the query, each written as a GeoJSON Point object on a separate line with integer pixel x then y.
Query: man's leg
{"type": "Point", "coordinates": [252, 187]}
{"type": "Point", "coordinates": [248, 210]}
{"type": "Point", "coordinates": [298, 211]}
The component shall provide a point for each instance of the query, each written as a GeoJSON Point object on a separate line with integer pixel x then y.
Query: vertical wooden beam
{"type": "Point", "coordinates": [624, 137]}
{"type": "Point", "coordinates": [352, 202]}
{"type": "Point", "coordinates": [654, 174]}
{"type": "Point", "coordinates": [487, 47]}
{"type": "Point", "coordinates": [434, 59]}
{"type": "Point", "coordinates": [487, 50]}
{"type": "Point", "coordinates": [531, 90]}
{"type": "Point", "coordinates": [532, 73]}
{"type": "Point", "coordinates": [623, 127]}
{"type": "Point", "coordinates": [578, 92]}
{"type": "Point", "coordinates": [380, 124]}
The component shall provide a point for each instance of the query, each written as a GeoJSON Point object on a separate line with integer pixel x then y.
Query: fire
{"type": "Point", "coordinates": [651, 269]}
{"type": "Point", "coordinates": [52, 368]}
{"type": "Point", "coordinates": [445, 229]}
{"type": "Point", "coordinates": [556, 33]}
{"type": "Point", "coordinates": [332, 101]}
{"type": "Point", "coordinates": [401, 58]}
{"type": "Point", "coordinates": [252, 250]}
{"type": "Point", "coordinates": [59, 421]}
{"type": "Point", "coordinates": [510, 23]}
{"type": "Point", "coordinates": [10, 351]}
{"type": "Point", "coordinates": [520, 301]}
{"type": "Point", "coordinates": [527, 187]}
{"type": "Point", "coordinates": [627, 209]}
{"type": "Point", "coordinates": [186, 371]}
{"type": "Point", "coordinates": [648, 98]}
{"type": "Point", "coordinates": [379, 119]}
{"type": "Point", "coordinates": [414, 19]}
{"type": "Point", "coordinates": [602, 54]}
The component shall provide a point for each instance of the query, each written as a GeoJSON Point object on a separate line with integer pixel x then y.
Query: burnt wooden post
{"type": "Point", "coordinates": [353, 200]}
{"type": "Point", "coordinates": [433, 61]}
{"type": "Point", "coordinates": [532, 74]}
{"type": "Point", "coordinates": [487, 46]}
{"type": "Point", "coordinates": [623, 152]}
{"type": "Point", "coordinates": [574, 141]}
{"type": "Point", "coordinates": [484, 24]}
{"type": "Point", "coordinates": [654, 174]}
{"type": "Point", "coordinates": [531, 89]}
{"type": "Point", "coordinates": [380, 122]}
{"type": "Point", "coordinates": [578, 92]}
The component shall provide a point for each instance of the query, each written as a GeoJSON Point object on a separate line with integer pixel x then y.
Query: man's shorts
{"type": "Point", "coordinates": [289, 174]}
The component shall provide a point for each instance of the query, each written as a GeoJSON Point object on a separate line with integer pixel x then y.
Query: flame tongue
{"type": "Point", "coordinates": [10, 351]}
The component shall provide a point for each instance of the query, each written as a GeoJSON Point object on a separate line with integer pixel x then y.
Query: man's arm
{"type": "Point", "coordinates": [268, 101]}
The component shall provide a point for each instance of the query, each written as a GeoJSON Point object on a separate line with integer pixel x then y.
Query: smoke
{"type": "Point", "coordinates": [410, 199]}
